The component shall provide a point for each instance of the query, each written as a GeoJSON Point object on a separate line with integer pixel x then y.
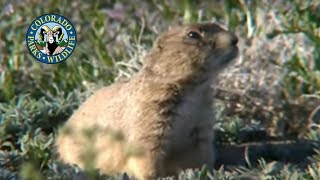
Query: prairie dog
{"type": "Point", "coordinates": [165, 109]}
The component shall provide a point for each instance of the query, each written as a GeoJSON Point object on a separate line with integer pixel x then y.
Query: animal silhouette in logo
{"type": "Point", "coordinates": [50, 40]}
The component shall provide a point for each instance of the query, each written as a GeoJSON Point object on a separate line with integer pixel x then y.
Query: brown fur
{"type": "Point", "coordinates": [165, 109]}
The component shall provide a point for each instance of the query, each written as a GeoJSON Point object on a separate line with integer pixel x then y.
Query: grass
{"type": "Point", "coordinates": [274, 86]}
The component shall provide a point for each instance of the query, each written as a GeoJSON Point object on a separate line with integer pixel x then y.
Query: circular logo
{"type": "Point", "coordinates": [51, 38]}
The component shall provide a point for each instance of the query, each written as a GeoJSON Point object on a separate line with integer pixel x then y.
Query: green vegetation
{"type": "Point", "coordinates": [274, 87]}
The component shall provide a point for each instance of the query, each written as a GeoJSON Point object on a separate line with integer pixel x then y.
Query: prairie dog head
{"type": "Point", "coordinates": [196, 49]}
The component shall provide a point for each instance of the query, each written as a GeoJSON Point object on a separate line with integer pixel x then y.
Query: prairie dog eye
{"type": "Point", "coordinates": [194, 35]}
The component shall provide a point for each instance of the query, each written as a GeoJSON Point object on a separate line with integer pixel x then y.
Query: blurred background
{"type": "Point", "coordinates": [271, 94]}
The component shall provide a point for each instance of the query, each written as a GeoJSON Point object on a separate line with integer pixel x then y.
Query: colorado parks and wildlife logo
{"type": "Point", "coordinates": [51, 38]}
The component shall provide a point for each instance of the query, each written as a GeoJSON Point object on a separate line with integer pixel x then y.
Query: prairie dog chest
{"type": "Point", "coordinates": [193, 115]}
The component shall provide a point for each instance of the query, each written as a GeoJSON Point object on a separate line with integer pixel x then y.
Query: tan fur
{"type": "Point", "coordinates": [165, 110]}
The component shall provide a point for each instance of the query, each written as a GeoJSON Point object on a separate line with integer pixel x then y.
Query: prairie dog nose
{"type": "Point", "coordinates": [225, 39]}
